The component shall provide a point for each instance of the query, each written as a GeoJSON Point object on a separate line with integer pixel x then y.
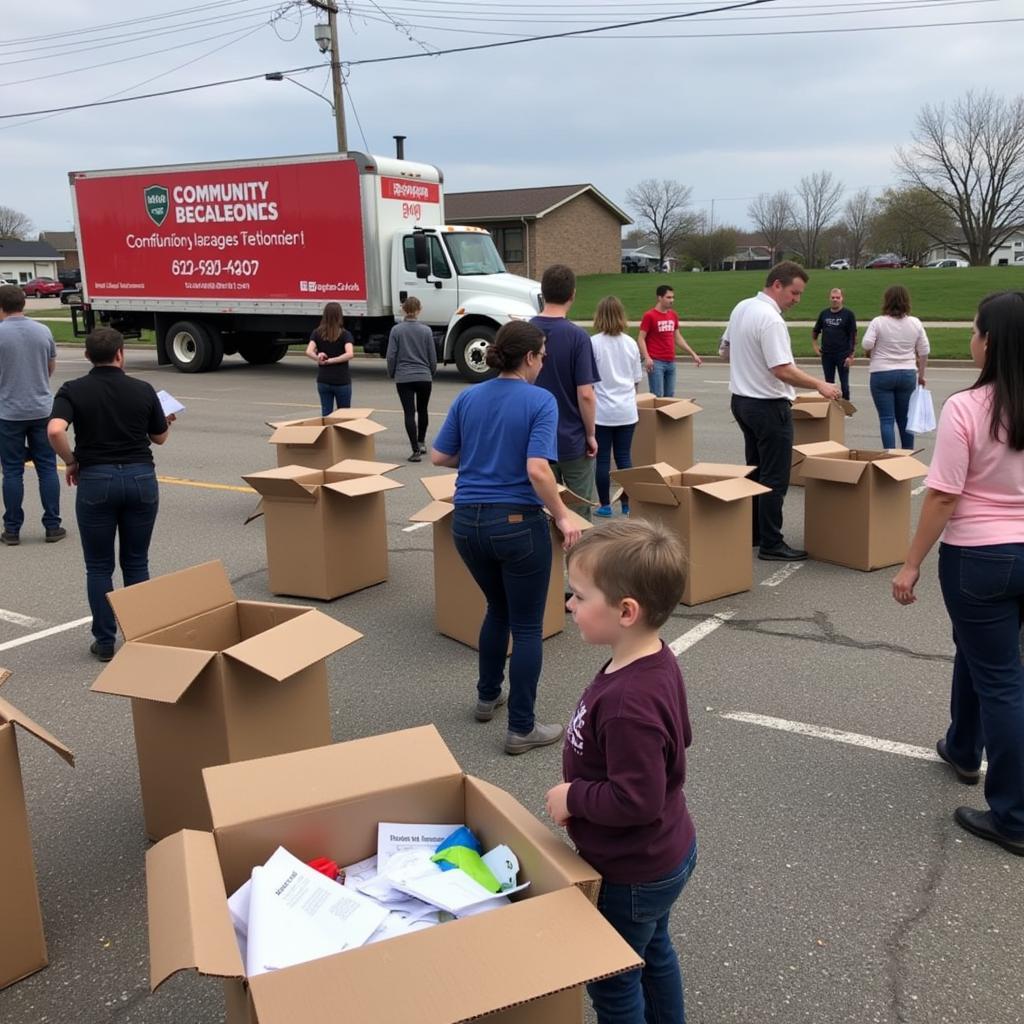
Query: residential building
{"type": "Point", "coordinates": [1010, 253]}
{"type": "Point", "coordinates": [22, 260]}
{"type": "Point", "coordinates": [66, 244]}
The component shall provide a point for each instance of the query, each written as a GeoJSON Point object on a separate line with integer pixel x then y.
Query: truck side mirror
{"type": "Point", "coordinates": [419, 248]}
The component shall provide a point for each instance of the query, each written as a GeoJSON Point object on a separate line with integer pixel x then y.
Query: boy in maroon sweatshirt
{"type": "Point", "coordinates": [624, 760]}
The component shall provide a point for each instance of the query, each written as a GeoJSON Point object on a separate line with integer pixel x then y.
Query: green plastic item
{"type": "Point", "coordinates": [471, 863]}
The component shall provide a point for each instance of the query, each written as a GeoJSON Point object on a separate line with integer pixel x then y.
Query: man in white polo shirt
{"type": "Point", "coordinates": [761, 378]}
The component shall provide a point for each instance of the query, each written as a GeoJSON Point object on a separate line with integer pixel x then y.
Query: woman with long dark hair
{"type": "Point", "coordinates": [975, 500]}
{"type": "Point", "coordinates": [331, 347]}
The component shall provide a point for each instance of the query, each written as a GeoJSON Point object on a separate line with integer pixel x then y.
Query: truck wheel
{"type": "Point", "coordinates": [193, 348]}
{"type": "Point", "coordinates": [470, 353]}
{"type": "Point", "coordinates": [262, 353]}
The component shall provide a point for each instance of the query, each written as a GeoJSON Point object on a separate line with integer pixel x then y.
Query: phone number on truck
{"type": "Point", "coordinates": [214, 268]}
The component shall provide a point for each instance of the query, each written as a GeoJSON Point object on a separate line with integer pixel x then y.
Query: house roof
{"type": "Point", "coordinates": [60, 240]}
{"type": "Point", "coordinates": [516, 203]}
{"type": "Point", "coordinates": [16, 249]}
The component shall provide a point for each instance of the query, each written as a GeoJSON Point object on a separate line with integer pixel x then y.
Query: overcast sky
{"type": "Point", "coordinates": [732, 104]}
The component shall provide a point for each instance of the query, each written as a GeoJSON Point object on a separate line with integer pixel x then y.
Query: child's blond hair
{"type": "Point", "coordinates": [637, 559]}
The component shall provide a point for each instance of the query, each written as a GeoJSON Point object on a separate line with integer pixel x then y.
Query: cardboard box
{"type": "Point", "coordinates": [664, 431]}
{"type": "Point", "coordinates": [326, 530]}
{"type": "Point", "coordinates": [22, 943]}
{"type": "Point", "coordinates": [857, 505]}
{"type": "Point", "coordinates": [816, 419]}
{"type": "Point", "coordinates": [522, 963]}
{"type": "Point", "coordinates": [213, 679]}
{"type": "Point", "coordinates": [709, 509]}
{"type": "Point", "coordinates": [459, 604]}
{"type": "Point", "coordinates": [323, 441]}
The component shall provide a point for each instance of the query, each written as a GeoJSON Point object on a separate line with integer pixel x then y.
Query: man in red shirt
{"type": "Point", "coordinates": [658, 337]}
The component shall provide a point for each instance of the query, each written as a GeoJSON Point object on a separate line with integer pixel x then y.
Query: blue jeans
{"type": "Point", "coordinates": [640, 913]}
{"type": "Point", "coordinates": [14, 436]}
{"type": "Point", "coordinates": [983, 588]}
{"type": "Point", "coordinates": [331, 393]}
{"type": "Point", "coordinates": [114, 501]}
{"type": "Point", "coordinates": [617, 441]}
{"type": "Point", "coordinates": [891, 391]}
{"type": "Point", "coordinates": [662, 378]}
{"type": "Point", "coordinates": [833, 363]}
{"type": "Point", "coordinates": [507, 550]}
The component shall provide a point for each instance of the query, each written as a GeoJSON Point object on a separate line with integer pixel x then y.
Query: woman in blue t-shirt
{"type": "Point", "coordinates": [501, 436]}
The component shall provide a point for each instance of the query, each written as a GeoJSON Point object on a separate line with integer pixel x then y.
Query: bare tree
{"type": "Point", "coordinates": [772, 215]}
{"type": "Point", "coordinates": [817, 203]}
{"type": "Point", "coordinates": [13, 224]}
{"type": "Point", "coordinates": [856, 223]}
{"type": "Point", "coordinates": [907, 221]}
{"type": "Point", "coordinates": [662, 209]}
{"type": "Point", "coordinates": [709, 248]}
{"type": "Point", "coordinates": [971, 160]}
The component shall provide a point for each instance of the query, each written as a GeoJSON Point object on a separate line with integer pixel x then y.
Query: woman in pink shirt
{"type": "Point", "coordinates": [975, 500]}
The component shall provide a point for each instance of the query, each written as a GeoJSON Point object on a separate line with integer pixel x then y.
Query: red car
{"type": "Point", "coordinates": [41, 287]}
{"type": "Point", "coordinates": [889, 261]}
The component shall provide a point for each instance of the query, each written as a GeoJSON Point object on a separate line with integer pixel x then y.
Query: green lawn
{"type": "Point", "coordinates": [946, 294]}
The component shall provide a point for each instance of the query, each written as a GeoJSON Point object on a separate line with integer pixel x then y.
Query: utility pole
{"type": "Point", "coordinates": [339, 101]}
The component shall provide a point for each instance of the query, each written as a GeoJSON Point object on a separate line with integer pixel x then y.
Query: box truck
{"type": "Point", "coordinates": [241, 256]}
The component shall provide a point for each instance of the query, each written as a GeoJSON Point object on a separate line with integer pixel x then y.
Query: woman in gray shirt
{"type": "Point", "coordinates": [412, 361]}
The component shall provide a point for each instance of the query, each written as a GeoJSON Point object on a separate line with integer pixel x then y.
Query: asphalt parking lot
{"type": "Point", "coordinates": [832, 883]}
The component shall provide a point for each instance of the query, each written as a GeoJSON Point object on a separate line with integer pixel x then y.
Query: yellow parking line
{"type": "Point", "coordinates": [183, 482]}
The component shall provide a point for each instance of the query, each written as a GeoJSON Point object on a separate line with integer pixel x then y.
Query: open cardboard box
{"type": "Point", "coordinates": [459, 604]}
{"type": "Point", "coordinates": [816, 419]}
{"type": "Point", "coordinates": [22, 943]}
{"type": "Point", "coordinates": [708, 507]}
{"type": "Point", "coordinates": [213, 679]}
{"type": "Point", "coordinates": [326, 530]}
{"type": "Point", "coordinates": [323, 441]}
{"type": "Point", "coordinates": [857, 505]}
{"type": "Point", "coordinates": [664, 431]}
{"type": "Point", "coordinates": [522, 963]}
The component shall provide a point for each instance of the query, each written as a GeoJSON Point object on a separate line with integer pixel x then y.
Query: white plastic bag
{"type": "Point", "coordinates": [921, 413]}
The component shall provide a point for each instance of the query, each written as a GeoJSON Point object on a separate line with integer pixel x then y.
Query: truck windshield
{"type": "Point", "coordinates": [474, 254]}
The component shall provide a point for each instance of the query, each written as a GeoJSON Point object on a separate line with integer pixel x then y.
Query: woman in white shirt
{"type": "Point", "coordinates": [618, 362]}
{"type": "Point", "coordinates": [897, 349]}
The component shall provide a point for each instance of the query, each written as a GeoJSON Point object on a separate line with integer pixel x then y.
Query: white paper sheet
{"type": "Point", "coordinates": [395, 837]}
{"type": "Point", "coordinates": [169, 403]}
{"type": "Point", "coordinates": [453, 891]}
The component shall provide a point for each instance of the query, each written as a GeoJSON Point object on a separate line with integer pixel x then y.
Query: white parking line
{"type": "Point", "coordinates": [782, 574]}
{"type": "Point", "coordinates": [26, 621]}
{"type": "Point", "coordinates": [43, 633]}
{"type": "Point", "coordinates": [822, 732]}
{"type": "Point", "coordinates": [415, 526]}
{"type": "Point", "coordinates": [701, 630]}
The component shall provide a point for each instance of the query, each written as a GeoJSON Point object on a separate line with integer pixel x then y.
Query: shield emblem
{"type": "Point", "coordinates": [156, 203]}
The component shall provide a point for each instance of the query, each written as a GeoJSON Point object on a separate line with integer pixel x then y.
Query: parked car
{"type": "Point", "coordinates": [8, 280]}
{"type": "Point", "coordinates": [70, 278]}
{"type": "Point", "coordinates": [636, 265]}
{"type": "Point", "coordinates": [42, 287]}
{"type": "Point", "coordinates": [888, 260]}
{"type": "Point", "coordinates": [948, 263]}
{"type": "Point", "coordinates": [839, 265]}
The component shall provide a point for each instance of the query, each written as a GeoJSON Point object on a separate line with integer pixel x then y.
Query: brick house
{"type": "Point", "coordinates": [535, 227]}
{"type": "Point", "coordinates": [66, 244]}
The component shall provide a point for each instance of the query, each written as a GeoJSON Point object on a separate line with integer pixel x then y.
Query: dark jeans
{"type": "Point", "coordinates": [767, 425]}
{"type": "Point", "coordinates": [415, 396]}
{"type": "Point", "coordinates": [14, 436]}
{"type": "Point", "coordinates": [114, 501]}
{"type": "Point", "coordinates": [652, 994]}
{"type": "Point", "coordinates": [983, 588]}
{"type": "Point", "coordinates": [331, 393]}
{"type": "Point", "coordinates": [617, 441]}
{"type": "Point", "coordinates": [507, 550]}
{"type": "Point", "coordinates": [833, 363]}
{"type": "Point", "coordinates": [891, 391]}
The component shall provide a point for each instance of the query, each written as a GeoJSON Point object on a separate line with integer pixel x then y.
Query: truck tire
{"type": "Point", "coordinates": [470, 349]}
{"type": "Point", "coordinates": [261, 353]}
{"type": "Point", "coordinates": [193, 347]}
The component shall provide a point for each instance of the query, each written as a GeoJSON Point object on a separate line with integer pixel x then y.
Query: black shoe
{"type": "Point", "coordinates": [12, 540]}
{"type": "Point", "coordinates": [980, 823]}
{"type": "Point", "coordinates": [783, 553]}
{"type": "Point", "coordinates": [101, 652]}
{"type": "Point", "coordinates": [415, 457]}
{"type": "Point", "coordinates": [55, 533]}
{"type": "Point", "coordinates": [968, 778]}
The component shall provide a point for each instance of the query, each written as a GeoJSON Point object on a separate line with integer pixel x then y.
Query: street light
{"type": "Point", "coordinates": [278, 76]}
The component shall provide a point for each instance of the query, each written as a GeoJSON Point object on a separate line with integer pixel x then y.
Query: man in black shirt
{"type": "Point", "coordinates": [115, 417]}
{"type": "Point", "coordinates": [837, 328]}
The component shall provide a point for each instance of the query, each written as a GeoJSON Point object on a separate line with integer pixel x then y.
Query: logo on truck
{"type": "Point", "coordinates": [157, 203]}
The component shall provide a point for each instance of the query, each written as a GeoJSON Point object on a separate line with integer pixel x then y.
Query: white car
{"type": "Point", "coordinates": [839, 265]}
{"type": "Point", "coordinates": [947, 263]}
{"type": "Point", "coordinates": [7, 280]}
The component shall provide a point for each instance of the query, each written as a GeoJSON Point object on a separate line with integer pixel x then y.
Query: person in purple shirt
{"type": "Point", "coordinates": [624, 760]}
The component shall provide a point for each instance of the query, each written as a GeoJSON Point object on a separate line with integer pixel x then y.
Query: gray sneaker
{"type": "Point", "coordinates": [540, 736]}
{"type": "Point", "coordinates": [485, 709]}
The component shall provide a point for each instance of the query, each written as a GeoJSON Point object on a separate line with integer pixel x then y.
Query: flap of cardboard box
{"type": "Point", "coordinates": [268, 787]}
{"type": "Point", "coordinates": [341, 415]}
{"type": "Point", "coordinates": [831, 449]}
{"type": "Point", "coordinates": [679, 409]}
{"type": "Point", "coordinates": [358, 486]}
{"type": "Point", "coordinates": [9, 713]}
{"type": "Point", "coordinates": [364, 428]}
{"type": "Point", "coordinates": [289, 647]}
{"type": "Point", "coordinates": [296, 435]}
{"type": "Point", "coordinates": [308, 421]}
{"type": "Point", "coordinates": [294, 483]}
{"type": "Point", "coordinates": [152, 672]}
{"type": "Point", "coordinates": [357, 467]}
{"type": "Point", "coordinates": [459, 972]}
{"type": "Point", "coordinates": [710, 472]}
{"type": "Point", "coordinates": [433, 513]}
{"type": "Point", "coordinates": [657, 473]}
{"type": "Point", "coordinates": [838, 471]}
{"type": "Point", "coordinates": [653, 494]}
{"type": "Point", "coordinates": [162, 601]}
{"type": "Point", "coordinates": [808, 410]}
{"type": "Point", "coordinates": [903, 467]}
{"type": "Point", "coordinates": [732, 490]}
{"type": "Point", "coordinates": [440, 488]}
{"type": "Point", "coordinates": [189, 922]}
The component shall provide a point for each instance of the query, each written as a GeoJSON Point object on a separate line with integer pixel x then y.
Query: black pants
{"type": "Point", "coordinates": [767, 425]}
{"type": "Point", "coordinates": [415, 396]}
{"type": "Point", "coordinates": [831, 362]}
